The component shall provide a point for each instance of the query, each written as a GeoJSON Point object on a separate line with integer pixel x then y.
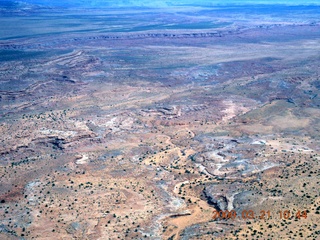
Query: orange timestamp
{"type": "Point", "coordinates": [250, 214]}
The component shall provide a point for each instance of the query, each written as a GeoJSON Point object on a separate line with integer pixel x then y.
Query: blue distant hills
{"type": "Point", "coordinates": [147, 3]}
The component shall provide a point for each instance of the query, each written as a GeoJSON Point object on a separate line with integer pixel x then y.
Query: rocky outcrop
{"type": "Point", "coordinates": [218, 200]}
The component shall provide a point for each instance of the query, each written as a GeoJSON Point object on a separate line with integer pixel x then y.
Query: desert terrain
{"type": "Point", "coordinates": [140, 124]}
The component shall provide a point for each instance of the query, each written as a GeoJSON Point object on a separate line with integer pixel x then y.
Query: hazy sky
{"type": "Point", "coordinates": [157, 3]}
